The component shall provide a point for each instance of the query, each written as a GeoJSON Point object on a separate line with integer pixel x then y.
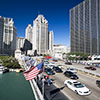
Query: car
{"type": "Point", "coordinates": [49, 71]}
{"type": "Point", "coordinates": [71, 70]}
{"type": "Point", "coordinates": [57, 69]}
{"type": "Point", "coordinates": [55, 60]}
{"type": "Point", "coordinates": [71, 75]}
{"type": "Point", "coordinates": [68, 63]}
{"type": "Point", "coordinates": [46, 63]}
{"type": "Point", "coordinates": [60, 66]}
{"type": "Point", "coordinates": [50, 66]}
{"type": "Point", "coordinates": [98, 83]}
{"type": "Point", "coordinates": [90, 68]}
{"type": "Point", "coordinates": [77, 87]}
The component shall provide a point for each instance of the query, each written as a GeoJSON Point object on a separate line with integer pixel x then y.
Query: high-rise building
{"type": "Point", "coordinates": [85, 27]}
{"type": "Point", "coordinates": [59, 50]}
{"type": "Point", "coordinates": [20, 42]}
{"type": "Point", "coordinates": [8, 35]}
{"type": "Point", "coordinates": [29, 32]}
{"type": "Point", "coordinates": [51, 42]}
{"type": "Point", "coordinates": [1, 34]}
{"type": "Point", "coordinates": [40, 35]}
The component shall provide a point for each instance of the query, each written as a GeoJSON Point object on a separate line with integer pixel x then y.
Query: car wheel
{"type": "Point", "coordinates": [66, 85]}
{"type": "Point", "coordinates": [76, 92]}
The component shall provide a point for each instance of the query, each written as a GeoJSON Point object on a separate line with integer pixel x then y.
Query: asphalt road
{"type": "Point", "coordinates": [82, 67]}
{"type": "Point", "coordinates": [89, 81]}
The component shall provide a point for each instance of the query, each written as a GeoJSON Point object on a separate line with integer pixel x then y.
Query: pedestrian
{"type": "Point", "coordinates": [49, 81]}
{"type": "Point", "coordinates": [43, 81]}
{"type": "Point", "coordinates": [47, 76]}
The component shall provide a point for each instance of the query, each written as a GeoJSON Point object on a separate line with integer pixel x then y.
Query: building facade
{"type": "Point", "coordinates": [51, 37]}
{"type": "Point", "coordinates": [85, 27]}
{"type": "Point", "coordinates": [1, 34]}
{"type": "Point", "coordinates": [59, 50]}
{"type": "Point", "coordinates": [40, 35]}
{"type": "Point", "coordinates": [8, 36]}
{"type": "Point", "coordinates": [29, 33]}
{"type": "Point", "coordinates": [20, 42]}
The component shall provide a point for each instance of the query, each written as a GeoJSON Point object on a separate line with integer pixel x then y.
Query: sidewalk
{"type": "Point", "coordinates": [51, 92]}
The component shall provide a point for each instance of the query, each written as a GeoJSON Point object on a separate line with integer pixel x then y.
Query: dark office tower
{"type": "Point", "coordinates": [85, 27]}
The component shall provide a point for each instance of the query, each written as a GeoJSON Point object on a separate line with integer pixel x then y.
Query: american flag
{"type": "Point", "coordinates": [33, 72]}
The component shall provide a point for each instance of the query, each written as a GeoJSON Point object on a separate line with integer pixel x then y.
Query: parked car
{"type": "Point", "coordinates": [68, 63]}
{"type": "Point", "coordinates": [70, 75]}
{"type": "Point", "coordinates": [77, 87]}
{"type": "Point", "coordinates": [98, 83]}
{"type": "Point", "coordinates": [90, 68]}
{"type": "Point", "coordinates": [57, 69]}
{"type": "Point", "coordinates": [49, 71]}
{"type": "Point", "coordinates": [71, 70]}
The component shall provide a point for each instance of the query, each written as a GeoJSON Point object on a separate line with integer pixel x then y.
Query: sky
{"type": "Point", "coordinates": [56, 12]}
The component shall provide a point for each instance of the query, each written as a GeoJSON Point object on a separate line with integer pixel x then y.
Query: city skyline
{"type": "Point", "coordinates": [56, 12]}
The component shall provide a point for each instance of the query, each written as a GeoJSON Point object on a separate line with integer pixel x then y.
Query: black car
{"type": "Point", "coordinates": [57, 69]}
{"type": "Point", "coordinates": [68, 63]}
{"type": "Point", "coordinates": [98, 83]}
{"type": "Point", "coordinates": [49, 71]}
{"type": "Point", "coordinates": [71, 75]}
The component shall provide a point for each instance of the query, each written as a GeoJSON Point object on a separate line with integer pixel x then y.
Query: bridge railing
{"type": "Point", "coordinates": [37, 93]}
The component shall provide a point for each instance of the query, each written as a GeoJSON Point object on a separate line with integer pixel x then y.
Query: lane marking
{"type": "Point", "coordinates": [69, 97]}
{"type": "Point", "coordinates": [95, 96]}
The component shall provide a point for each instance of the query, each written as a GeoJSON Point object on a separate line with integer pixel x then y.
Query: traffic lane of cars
{"type": "Point", "coordinates": [75, 85]}
{"type": "Point", "coordinates": [95, 89]}
{"type": "Point", "coordinates": [57, 69]}
{"type": "Point", "coordinates": [91, 96]}
{"type": "Point", "coordinates": [59, 80]}
{"type": "Point", "coordinates": [98, 83]}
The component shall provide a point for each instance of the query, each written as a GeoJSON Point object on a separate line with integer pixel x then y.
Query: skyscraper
{"type": "Point", "coordinates": [40, 35]}
{"type": "Point", "coordinates": [29, 32]}
{"type": "Point", "coordinates": [51, 42]}
{"type": "Point", "coordinates": [85, 27]}
{"type": "Point", "coordinates": [1, 34]}
{"type": "Point", "coordinates": [8, 35]}
{"type": "Point", "coordinates": [20, 42]}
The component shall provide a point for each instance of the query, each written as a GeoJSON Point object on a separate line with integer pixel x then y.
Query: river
{"type": "Point", "coordinates": [13, 86]}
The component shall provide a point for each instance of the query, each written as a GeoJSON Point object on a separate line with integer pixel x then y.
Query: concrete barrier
{"type": "Point", "coordinates": [87, 71]}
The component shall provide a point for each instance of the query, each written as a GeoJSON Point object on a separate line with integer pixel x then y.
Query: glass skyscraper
{"type": "Point", "coordinates": [85, 27]}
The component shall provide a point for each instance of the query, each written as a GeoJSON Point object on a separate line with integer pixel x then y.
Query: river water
{"type": "Point", "coordinates": [13, 86]}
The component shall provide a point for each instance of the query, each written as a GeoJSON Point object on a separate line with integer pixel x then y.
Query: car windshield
{"type": "Point", "coordinates": [71, 69]}
{"type": "Point", "coordinates": [49, 69]}
{"type": "Point", "coordinates": [78, 85]}
{"type": "Point", "coordinates": [57, 68]}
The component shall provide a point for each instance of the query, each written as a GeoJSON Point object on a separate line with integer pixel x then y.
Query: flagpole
{"type": "Point", "coordinates": [42, 82]}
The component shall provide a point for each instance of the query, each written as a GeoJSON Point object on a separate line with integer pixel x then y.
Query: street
{"type": "Point", "coordinates": [89, 81]}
